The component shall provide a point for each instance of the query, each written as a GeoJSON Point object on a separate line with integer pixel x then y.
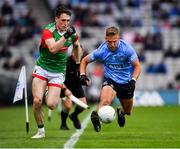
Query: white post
{"type": "Point", "coordinates": [26, 101]}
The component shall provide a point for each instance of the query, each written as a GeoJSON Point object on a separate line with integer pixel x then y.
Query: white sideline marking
{"type": "Point", "coordinates": [75, 137]}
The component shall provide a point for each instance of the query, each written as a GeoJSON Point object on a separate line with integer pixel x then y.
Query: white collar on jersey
{"type": "Point", "coordinates": [61, 33]}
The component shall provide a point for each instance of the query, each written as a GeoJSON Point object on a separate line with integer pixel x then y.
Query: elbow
{"type": "Point", "coordinates": [138, 70]}
{"type": "Point", "coordinates": [83, 65]}
{"type": "Point", "coordinates": [84, 62]}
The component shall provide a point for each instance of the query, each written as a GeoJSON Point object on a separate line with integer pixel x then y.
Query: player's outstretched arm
{"type": "Point", "coordinates": [83, 65]}
{"type": "Point", "coordinates": [137, 69]}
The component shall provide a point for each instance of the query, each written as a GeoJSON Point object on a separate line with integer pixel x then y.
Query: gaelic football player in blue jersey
{"type": "Point", "coordinates": [121, 71]}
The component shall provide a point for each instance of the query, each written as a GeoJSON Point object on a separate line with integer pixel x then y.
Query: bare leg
{"type": "Point", "coordinates": [127, 105]}
{"type": "Point", "coordinates": [107, 95]}
{"type": "Point", "coordinates": [38, 89]}
{"type": "Point", "coordinates": [53, 97]}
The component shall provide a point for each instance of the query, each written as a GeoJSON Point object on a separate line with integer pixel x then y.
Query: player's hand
{"type": "Point", "coordinates": [132, 84]}
{"type": "Point", "coordinates": [71, 30]}
{"type": "Point", "coordinates": [84, 80]}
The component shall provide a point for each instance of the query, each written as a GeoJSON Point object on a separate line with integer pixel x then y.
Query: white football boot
{"type": "Point", "coordinates": [39, 135]}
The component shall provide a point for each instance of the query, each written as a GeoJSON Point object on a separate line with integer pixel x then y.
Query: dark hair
{"type": "Point", "coordinates": [112, 31]}
{"type": "Point", "coordinates": [62, 9]}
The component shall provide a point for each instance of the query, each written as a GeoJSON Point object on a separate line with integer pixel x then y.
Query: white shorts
{"type": "Point", "coordinates": [53, 79]}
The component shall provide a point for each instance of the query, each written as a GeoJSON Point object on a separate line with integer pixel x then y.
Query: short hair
{"type": "Point", "coordinates": [110, 31]}
{"type": "Point", "coordinates": [62, 9]}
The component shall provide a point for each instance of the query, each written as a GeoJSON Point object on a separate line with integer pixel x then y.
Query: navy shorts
{"type": "Point", "coordinates": [123, 91]}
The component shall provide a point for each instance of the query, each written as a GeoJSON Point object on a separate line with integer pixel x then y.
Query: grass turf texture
{"type": "Point", "coordinates": [152, 127]}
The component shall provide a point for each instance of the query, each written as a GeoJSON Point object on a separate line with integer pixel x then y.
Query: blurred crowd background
{"type": "Point", "coordinates": [151, 26]}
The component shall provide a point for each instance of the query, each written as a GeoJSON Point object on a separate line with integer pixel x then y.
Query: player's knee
{"type": "Point", "coordinates": [37, 102]}
{"type": "Point", "coordinates": [106, 102]}
{"type": "Point", "coordinates": [68, 107]}
{"type": "Point", "coordinates": [67, 104]}
{"type": "Point", "coordinates": [51, 105]}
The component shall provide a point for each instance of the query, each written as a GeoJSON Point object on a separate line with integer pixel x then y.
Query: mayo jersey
{"type": "Point", "coordinates": [118, 64]}
{"type": "Point", "coordinates": [49, 61]}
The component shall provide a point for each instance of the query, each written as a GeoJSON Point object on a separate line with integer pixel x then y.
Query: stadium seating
{"type": "Point", "coordinates": [161, 24]}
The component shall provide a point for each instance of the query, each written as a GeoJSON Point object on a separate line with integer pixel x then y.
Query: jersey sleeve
{"type": "Point", "coordinates": [132, 54]}
{"type": "Point", "coordinates": [97, 54]}
{"type": "Point", "coordinates": [46, 34]}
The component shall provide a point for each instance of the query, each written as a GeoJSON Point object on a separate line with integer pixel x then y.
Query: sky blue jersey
{"type": "Point", "coordinates": [117, 64]}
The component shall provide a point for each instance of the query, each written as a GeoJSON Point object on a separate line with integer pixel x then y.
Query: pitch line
{"type": "Point", "coordinates": [75, 137]}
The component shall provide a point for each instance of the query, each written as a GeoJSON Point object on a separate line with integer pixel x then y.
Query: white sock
{"type": "Point", "coordinates": [41, 129]}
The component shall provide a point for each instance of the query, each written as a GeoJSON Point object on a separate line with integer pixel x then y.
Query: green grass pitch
{"type": "Point", "coordinates": [147, 127]}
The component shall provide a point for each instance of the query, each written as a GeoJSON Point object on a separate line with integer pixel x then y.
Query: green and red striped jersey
{"type": "Point", "coordinates": [49, 61]}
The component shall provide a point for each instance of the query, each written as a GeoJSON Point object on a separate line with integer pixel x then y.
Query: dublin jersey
{"type": "Point", "coordinates": [117, 64]}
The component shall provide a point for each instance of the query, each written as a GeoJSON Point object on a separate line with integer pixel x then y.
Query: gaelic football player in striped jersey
{"type": "Point", "coordinates": [51, 65]}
